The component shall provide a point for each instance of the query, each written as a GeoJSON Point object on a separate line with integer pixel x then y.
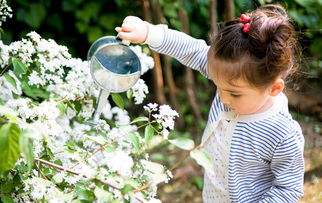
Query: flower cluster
{"type": "Point", "coordinates": [165, 116]}
{"type": "Point", "coordinates": [54, 100]}
{"type": "Point", "coordinates": [5, 11]}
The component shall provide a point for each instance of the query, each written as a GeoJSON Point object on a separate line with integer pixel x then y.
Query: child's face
{"type": "Point", "coordinates": [243, 98]}
{"type": "Point", "coordinates": [240, 96]}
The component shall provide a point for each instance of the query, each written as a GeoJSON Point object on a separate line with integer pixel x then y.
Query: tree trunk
{"type": "Point", "coordinates": [157, 10]}
{"type": "Point", "coordinates": [213, 16]}
{"type": "Point", "coordinates": [229, 10]}
{"type": "Point", "coordinates": [157, 71]}
{"type": "Point", "coordinates": [190, 84]}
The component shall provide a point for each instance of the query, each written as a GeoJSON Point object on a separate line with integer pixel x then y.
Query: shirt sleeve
{"type": "Point", "coordinates": [288, 168]}
{"type": "Point", "coordinates": [187, 50]}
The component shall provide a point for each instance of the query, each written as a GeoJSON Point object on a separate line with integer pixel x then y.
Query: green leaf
{"type": "Point", "coordinates": [6, 199]}
{"type": "Point", "coordinates": [127, 188]}
{"type": "Point", "coordinates": [19, 68]}
{"type": "Point", "coordinates": [198, 181]}
{"type": "Point", "coordinates": [148, 133]}
{"type": "Point", "coordinates": [103, 195]}
{"type": "Point", "coordinates": [83, 194]}
{"type": "Point", "coordinates": [158, 178]}
{"type": "Point", "coordinates": [26, 147]}
{"type": "Point", "coordinates": [94, 33]}
{"type": "Point", "coordinates": [135, 140]}
{"type": "Point", "coordinates": [34, 16]}
{"type": "Point", "coordinates": [10, 79]}
{"type": "Point", "coordinates": [140, 119]}
{"type": "Point", "coordinates": [34, 92]}
{"type": "Point", "coordinates": [183, 143]}
{"type": "Point", "coordinates": [9, 146]}
{"type": "Point", "coordinates": [118, 100]}
{"type": "Point", "coordinates": [7, 187]}
{"type": "Point", "coordinates": [129, 94]}
{"type": "Point", "coordinates": [58, 178]}
{"type": "Point", "coordinates": [153, 167]}
{"type": "Point", "coordinates": [8, 113]}
{"type": "Point", "coordinates": [97, 139]}
{"type": "Point", "coordinates": [62, 107]}
{"type": "Point", "coordinates": [109, 149]}
{"type": "Point", "coordinates": [203, 159]}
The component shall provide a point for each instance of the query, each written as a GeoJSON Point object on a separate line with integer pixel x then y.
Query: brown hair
{"type": "Point", "coordinates": [268, 50]}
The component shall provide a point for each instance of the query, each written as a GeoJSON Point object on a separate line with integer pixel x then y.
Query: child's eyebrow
{"type": "Point", "coordinates": [232, 91]}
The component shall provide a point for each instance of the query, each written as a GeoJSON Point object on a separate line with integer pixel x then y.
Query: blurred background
{"type": "Point", "coordinates": [78, 23]}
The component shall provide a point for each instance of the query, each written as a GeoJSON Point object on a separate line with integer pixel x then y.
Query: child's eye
{"type": "Point", "coordinates": [235, 95]}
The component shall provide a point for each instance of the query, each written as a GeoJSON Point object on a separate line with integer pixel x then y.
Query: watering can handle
{"type": "Point", "coordinates": [124, 41]}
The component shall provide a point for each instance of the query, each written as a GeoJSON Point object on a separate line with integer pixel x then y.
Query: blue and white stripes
{"type": "Point", "coordinates": [266, 161]}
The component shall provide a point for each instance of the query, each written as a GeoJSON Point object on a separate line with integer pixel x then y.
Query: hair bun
{"type": "Point", "coordinates": [272, 35]}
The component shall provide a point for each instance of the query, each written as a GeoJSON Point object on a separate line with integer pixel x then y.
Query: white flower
{"type": "Point", "coordinates": [166, 116]}
{"type": "Point", "coordinates": [5, 11]}
{"type": "Point", "coordinates": [7, 89]}
{"type": "Point", "coordinates": [165, 133]}
{"type": "Point", "coordinates": [151, 107]}
{"type": "Point", "coordinates": [145, 60]}
{"type": "Point", "coordinates": [102, 126]}
{"type": "Point", "coordinates": [34, 36]}
{"type": "Point", "coordinates": [153, 200]}
{"type": "Point", "coordinates": [47, 110]}
{"type": "Point", "coordinates": [72, 179]}
{"type": "Point", "coordinates": [120, 162]}
{"type": "Point", "coordinates": [140, 89]}
{"type": "Point", "coordinates": [23, 107]}
{"type": "Point", "coordinates": [34, 79]}
{"type": "Point", "coordinates": [121, 117]}
{"type": "Point", "coordinates": [87, 109]}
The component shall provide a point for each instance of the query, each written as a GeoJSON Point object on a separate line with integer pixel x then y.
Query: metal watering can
{"type": "Point", "coordinates": [114, 68]}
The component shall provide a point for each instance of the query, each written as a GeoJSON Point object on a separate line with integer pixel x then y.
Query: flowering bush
{"type": "Point", "coordinates": [47, 98]}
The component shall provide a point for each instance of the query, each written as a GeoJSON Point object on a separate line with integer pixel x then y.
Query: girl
{"type": "Point", "coordinates": [256, 146]}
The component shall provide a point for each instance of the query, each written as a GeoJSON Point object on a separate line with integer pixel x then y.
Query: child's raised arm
{"type": "Point", "coordinates": [187, 50]}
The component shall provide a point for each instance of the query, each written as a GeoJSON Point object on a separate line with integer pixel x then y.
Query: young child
{"type": "Point", "coordinates": [256, 146]}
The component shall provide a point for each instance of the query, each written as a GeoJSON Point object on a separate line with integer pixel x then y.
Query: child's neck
{"type": "Point", "coordinates": [268, 104]}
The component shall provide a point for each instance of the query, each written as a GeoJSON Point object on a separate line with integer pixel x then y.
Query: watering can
{"type": "Point", "coordinates": [114, 68]}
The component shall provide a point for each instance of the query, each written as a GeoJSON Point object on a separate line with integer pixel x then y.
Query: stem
{"type": "Point", "coordinates": [74, 172]}
{"type": "Point", "coordinates": [142, 188]}
{"type": "Point", "coordinates": [41, 173]}
{"type": "Point", "coordinates": [183, 159]}
{"type": "Point", "coordinates": [100, 149]}
{"type": "Point", "coordinates": [148, 123]}
{"type": "Point", "coordinates": [5, 68]}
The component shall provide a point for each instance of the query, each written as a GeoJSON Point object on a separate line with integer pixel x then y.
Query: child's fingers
{"type": "Point", "coordinates": [128, 27]}
{"type": "Point", "coordinates": [132, 19]}
{"type": "Point", "coordinates": [125, 35]}
{"type": "Point", "coordinates": [118, 29]}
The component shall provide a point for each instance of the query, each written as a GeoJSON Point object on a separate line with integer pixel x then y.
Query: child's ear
{"type": "Point", "coordinates": [277, 87]}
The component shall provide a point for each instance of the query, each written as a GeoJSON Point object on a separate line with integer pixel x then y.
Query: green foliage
{"type": "Point", "coordinates": [148, 133]}
{"type": "Point", "coordinates": [183, 143]}
{"type": "Point", "coordinates": [18, 67]}
{"type": "Point", "coordinates": [203, 159]}
{"type": "Point", "coordinates": [26, 147]}
{"type": "Point", "coordinates": [9, 146]}
{"type": "Point", "coordinates": [118, 100]}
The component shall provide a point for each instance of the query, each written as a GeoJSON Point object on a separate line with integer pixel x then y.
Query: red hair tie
{"type": "Point", "coordinates": [245, 20]}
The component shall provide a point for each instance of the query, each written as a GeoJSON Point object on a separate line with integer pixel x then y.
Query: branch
{"type": "Point", "coordinates": [100, 149]}
{"type": "Point", "coordinates": [74, 172]}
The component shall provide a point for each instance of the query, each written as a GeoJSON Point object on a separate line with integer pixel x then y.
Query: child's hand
{"type": "Point", "coordinates": [133, 29]}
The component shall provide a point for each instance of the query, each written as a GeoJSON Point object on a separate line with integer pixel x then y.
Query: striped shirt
{"type": "Point", "coordinates": [264, 161]}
